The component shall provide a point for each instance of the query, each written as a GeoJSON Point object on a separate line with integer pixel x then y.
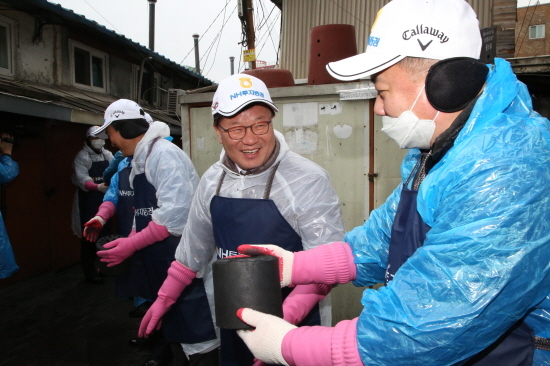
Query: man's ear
{"type": "Point", "coordinates": [218, 133]}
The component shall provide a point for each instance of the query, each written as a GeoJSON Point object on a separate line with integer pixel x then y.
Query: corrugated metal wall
{"type": "Point", "coordinates": [299, 16]}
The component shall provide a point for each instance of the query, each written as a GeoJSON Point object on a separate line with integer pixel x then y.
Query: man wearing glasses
{"type": "Point", "coordinates": [258, 192]}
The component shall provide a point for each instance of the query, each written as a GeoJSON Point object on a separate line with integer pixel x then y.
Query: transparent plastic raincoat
{"type": "Point", "coordinates": [172, 174]}
{"type": "Point", "coordinates": [301, 190]}
{"type": "Point", "coordinates": [9, 169]}
{"type": "Point", "coordinates": [485, 263]}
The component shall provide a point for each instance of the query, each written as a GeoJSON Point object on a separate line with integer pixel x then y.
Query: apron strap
{"type": "Point", "coordinates": [269, 183]}
{"type": "Point", "coordinates": [220, 183]}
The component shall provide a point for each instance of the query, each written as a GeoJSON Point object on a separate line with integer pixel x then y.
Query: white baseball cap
{"type": "Point", "coordinates": [91, 130]}
{"type": "Point", "coordinates": [119, 110]}
{"type": "Point", "coordinates": [434, 29]}
{"type": "Point", "coordinates": [238, 91]}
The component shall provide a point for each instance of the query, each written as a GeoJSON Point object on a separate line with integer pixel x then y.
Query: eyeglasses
{"type": "Point", "coordinates": [237, 133]}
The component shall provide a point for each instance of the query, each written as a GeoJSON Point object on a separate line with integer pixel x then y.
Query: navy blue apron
{"type": "Point", "coordinates": [189, 320]}
{"type": "Point", "coordinates": [125, 216]}
{"type": "Point", "coordinates": [514, 348]}
{"type": "Point", "coordinates": [89, 202]}
{"type": "Point", "coordinates": [125, 205]}
{"type": "Point", "coordinates": [237, 221]}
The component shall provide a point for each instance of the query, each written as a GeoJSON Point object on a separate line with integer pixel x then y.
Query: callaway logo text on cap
{"type": "Point", "coordinates": [433, 29]}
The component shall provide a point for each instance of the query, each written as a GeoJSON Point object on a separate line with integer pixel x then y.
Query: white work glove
{"type": "Point", "coordinates": [286, 258]}
{"type": "Point", "coordinates": [92, 228]}
{"type": "Point", "coordinates": [265, 342]}
{"type": "Point", "coordinates": [102, 187]}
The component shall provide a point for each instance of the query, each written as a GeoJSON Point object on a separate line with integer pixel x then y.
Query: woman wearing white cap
{"type": "Point", "coordinates": [258, 192]}
{"type": "Point", "coordinates": [88, 167]}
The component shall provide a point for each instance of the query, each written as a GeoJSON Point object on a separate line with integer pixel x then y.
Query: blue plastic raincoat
{"type": "Point", "coordinates": [9, 169]}
{"type": "Point", "coordinates": [485, 263]}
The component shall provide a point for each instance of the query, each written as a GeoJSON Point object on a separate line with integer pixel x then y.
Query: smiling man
{"type": "Point", "coordinates": [258, 192]}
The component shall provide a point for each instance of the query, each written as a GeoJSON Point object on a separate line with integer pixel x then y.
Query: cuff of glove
{"type": "Point", "coordinates": [179, 277]}
{"type": "Point", "coordinates": [328, 264]}
{"type": "Point", "coordinates": [151, 234]}
{"type": "Point", "coordinates": [90, 186]}
{"type": "Point", "coordinates": [106, 210]}
{"type": "Point", "coordinates": [320, 346]}
{"type": "Point", "coordinates": [181, 273]}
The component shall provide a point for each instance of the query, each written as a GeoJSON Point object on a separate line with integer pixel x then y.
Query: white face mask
{"type": "Point", "coordinates": [97, 144]}
{"type": "Point", "coordinates": [408, 130]}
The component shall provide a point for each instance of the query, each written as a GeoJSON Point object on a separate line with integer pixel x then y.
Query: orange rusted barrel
{"type": "Point", "coordinates": [328, 43]}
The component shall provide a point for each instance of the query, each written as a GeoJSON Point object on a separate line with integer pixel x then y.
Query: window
{"type": "Point", "coordinates": [6, 46]}
{"type": "Point", "coordinates": [89, 67]}
{"type": "Point", "coordinates": [536, 31]}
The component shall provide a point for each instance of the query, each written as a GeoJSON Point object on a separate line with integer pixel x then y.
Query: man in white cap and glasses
{"type": "Point", "coordinates": [463, 243]}
{"type": "Point", "coordinates": [258, 192]}
{"type": "Point", "coordinates": [163, 180]}
{"type": "Point", "coordinates": [88, 167]}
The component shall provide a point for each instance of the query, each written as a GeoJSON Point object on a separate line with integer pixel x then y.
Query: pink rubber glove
{"type": "Point", "coordinates": [179, 277]}
{"type": "Point", "coordinates": [301, 300]}
{"type": "Point", "coordinates": [265, 341]}
{"type": "Point", "coordinates": [327, 264]}
{"type": "Point", "coordinates": [120, 249]}
{"type": "Point", "coordinates": [322, 346]}
{"type": "Point", "coordinates": [93, 227]}
{"type": "Point", "coordinates": [91, 186]}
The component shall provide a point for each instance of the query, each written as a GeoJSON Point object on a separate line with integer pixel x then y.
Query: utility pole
{"type": "Point", "coordinates": [246, 13]}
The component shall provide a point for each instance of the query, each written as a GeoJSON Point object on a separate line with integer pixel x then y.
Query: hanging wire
{"type": "Point", "coordinates": [266, 19]}
{"type": "Point", "coordinates": [270, 28]}
{"type": "Point", "coordinates": [347, 11]}
{"type": "Point", "coordinates": [219, 40]}
{"type": "Point", "coordinates": [206, 31]}
{"type": "Point", "coordinates": [526, 34]}
{"type": "Point", "coordinates": [133, 43]}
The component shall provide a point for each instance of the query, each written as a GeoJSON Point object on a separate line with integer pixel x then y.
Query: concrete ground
{"type": "Point", "coordinates": [57, 319]}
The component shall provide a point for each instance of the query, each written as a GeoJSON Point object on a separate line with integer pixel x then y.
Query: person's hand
{"type": "Point", "coordinates": [102, 187]}
{"type": "Point", "coordinates": [118, 251]}
{"type": "Point", "coordinates": [179, 277]}
{"type": "Point", "coordinates": [266, 340]}
{"type": "Point", "coordinates": [152, 320]}
{"type": "Point", "coordinates": [6, 143]}
{"type": "Point", "coordinates": [92, 228]}
{"type": "Point", "coordinates": [286, 258]}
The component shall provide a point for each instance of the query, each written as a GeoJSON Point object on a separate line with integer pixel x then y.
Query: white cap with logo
{"type": "Point", "coordinates": [91, 130]}
{"type": "Point", "coordinates": [435, 29]}
{"type": "Point", "coordinates": [119, 110]}
{"type": "Point", "coordinates": [237, 91]}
